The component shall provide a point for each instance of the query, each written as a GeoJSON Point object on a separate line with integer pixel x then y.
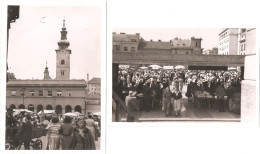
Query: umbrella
{"type": "Point", "coordinates": [123, 66]}
{"type": "Point", "coordinates": [71, 114]}
{"type": "Point", "coordinates": [17, 111]}
{"type": "Point", "coordinates": [143, 67]}
{"type": "Point", "coordinates": [155, 66]}
{"type": "Point", "coordinates": [179, 67]}
{"type": "Point", "coordinates": [77, 113]}
{"type": "Point", "coordinates": [232, 69]}
{"type": "Point", "coordinates": [97, 113]}
{"type": "Point", "coordinates": [167, 67]}
{"type": "Point", "coordinates": [46, 112]}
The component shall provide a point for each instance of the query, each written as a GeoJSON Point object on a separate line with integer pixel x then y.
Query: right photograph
{"type": "Point", "coordinates": [183, 74]}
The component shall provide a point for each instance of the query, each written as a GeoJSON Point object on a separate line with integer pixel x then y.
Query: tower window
{"type": "Point", "coordinates": [62, 62]}
{"type": "Point", "coordinates": [13, 92]}
{"type": "Point", "coordinates": [196, 44]}
{"type": "Point", "coordinates": [62, 72]}
{"type": "Point", "coordinates": [125, 49]}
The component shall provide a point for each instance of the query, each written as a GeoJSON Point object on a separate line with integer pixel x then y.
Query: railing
{"type": "Point", "coordinates": [119, 103]}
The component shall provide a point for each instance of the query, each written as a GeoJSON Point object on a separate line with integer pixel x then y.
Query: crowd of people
{"type": "Point", "coordinates": [162, 88]}
{"type": "Point", "coordinates": [63, 132]}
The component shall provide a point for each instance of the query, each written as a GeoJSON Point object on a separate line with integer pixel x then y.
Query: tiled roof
{"type": "Point", "coordinates": [95, 81]}
{"type": "Point", "coordinates": [124, 37]}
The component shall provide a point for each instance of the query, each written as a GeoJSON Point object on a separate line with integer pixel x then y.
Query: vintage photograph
{"type": "Point", "coordinates": [182, 74]}
{"type": "Point", "coordinates": [53, 87]}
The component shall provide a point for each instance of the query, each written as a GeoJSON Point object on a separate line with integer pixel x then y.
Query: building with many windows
{"type": "Point", "coordinates": [246, 41]}
{"type": "Point", "coordinates": [228, 41]}
{"type": "Point", "coordinates": [134, 43]}
{"type": "Point", "coordinates": [60, 94]}
{"type": "Point", "coordinates": [94, 86]}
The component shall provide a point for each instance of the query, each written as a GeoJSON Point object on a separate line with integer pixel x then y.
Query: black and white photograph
{"type": "Point", "coordinates": [181, 74]}
{"type": "Point", "coordinates": [53, 86]}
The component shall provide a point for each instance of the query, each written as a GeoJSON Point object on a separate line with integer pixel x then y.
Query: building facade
{"type": "Point", "coordinates": [134, 43]}
{"type": "Point", "coordinates": [94, 86]}
{"type": "Point", "coordinates": [228, 41]}
{"type": "Point", "coordinates": [213, 51]}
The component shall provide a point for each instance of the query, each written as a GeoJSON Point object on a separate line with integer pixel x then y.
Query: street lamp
{"type": "Point", "coordinates": [23, 95]}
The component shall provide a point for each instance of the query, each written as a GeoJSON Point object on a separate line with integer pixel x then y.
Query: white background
{"type": "Point", "coordinates": [188, 137]}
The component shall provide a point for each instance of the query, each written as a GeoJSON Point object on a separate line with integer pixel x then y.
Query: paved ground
{"type": "Point", "coordinates": [192, 113]}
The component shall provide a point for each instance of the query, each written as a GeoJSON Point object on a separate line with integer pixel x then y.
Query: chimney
{"type": "Point", "coordinates": [114, 32]}
{"type": "Point", "coordinates": [138, 35]}
{"type": "Point", "coordinates": [151, 40]}
{"type": "Point", "coordinates": [122, 33]}
{"type": "Point", "coordinates": [159, 41]}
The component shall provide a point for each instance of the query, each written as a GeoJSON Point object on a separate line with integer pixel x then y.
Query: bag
{"type": "Point", "coordinates": [183, 108]}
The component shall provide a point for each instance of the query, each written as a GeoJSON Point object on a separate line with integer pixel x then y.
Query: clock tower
{"type": "Point", "coordinates": [63, 56]}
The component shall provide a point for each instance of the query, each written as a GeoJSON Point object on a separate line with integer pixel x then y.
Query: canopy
{"type": "Point", "coordinates": [168, 67]}
{"type": "Point", "coordinates": [143, 67]}
{"type": "Point", "coordinates": [232, 69]}
{"type": "Point", "coordinates": [46, 112]}
{"type": "Point", "coordinates": [179, 67]}
{"type": "Point", "coordinates": [123, 66]}
{"type": "Point", "coordinates": [155, 66]}
{"type": "Point", "coordinates": [17, 111]}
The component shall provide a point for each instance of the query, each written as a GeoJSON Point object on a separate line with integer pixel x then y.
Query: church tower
{"type": "Point", "coordinates": [46, 73]}
{"type": "Point", "coordinates": [63, 56]}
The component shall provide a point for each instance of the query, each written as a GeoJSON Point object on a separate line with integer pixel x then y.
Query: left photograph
{"type": "Point", "coordinates": [53, 87]}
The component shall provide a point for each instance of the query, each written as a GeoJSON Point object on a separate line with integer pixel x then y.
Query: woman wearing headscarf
{"type": "Point", "coordinates": [82, 138]}
{"type": "Point", "coordinates": [91, 125]}
{"type": "Point", "coordinates": [167, 101]}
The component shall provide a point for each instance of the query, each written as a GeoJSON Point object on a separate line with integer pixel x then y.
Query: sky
{"type": "Point", "coordinates": [209, 35]}
{"type": "Point", "coordinates": [33, 39]}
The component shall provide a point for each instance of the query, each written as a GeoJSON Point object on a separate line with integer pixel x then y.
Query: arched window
{"type": "Point", "coordinates": [30, 107]}
{"type": "Point", "coordinates": [49, 107]}
{"type": "Point", "coordinates": [21, 106]}
{"type": "Point", "coordinates": [12, 106]}
{"type": "Point", "coordinates": [62, 62]}
{"type": "Point", "coordinates": [68, 108]}
{"type": "Point", "coordinates": [39, 108]}
{"type": "Point", "coordinates": [78, 109]}
{"type": "Point", "coordinates": [58, 109]}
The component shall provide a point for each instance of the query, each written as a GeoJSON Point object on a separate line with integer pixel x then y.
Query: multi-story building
{"type": "Point", "coordinates": [213, 51]}
{"type": "Point", "coordinates": [246, 41]}
{"type": "Point", "coordinates": [228, 41]}
{"type": "Point", "coordinates": [93, 86]}
{"type": "Point", "coordinates": [241, 41]}
{"type": "Point", "coordinates": [134, 43]}
{"type": "Point", "coordinates": [60, 94]}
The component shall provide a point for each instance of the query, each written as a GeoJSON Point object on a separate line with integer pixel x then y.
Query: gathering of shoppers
{"type": "Point", "coordinates": [162, 88]}
{"type": "Point", "coordinates": [62, 132]}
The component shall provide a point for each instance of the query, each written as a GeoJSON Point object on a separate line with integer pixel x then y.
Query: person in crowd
{"type": "Point", "coordinates": [131, 105]}
{"type": "Point", "coordinates": [53, 135]}
{"type": "Point", "coordinates": [10, 122]}
{"type": "Point", "coordinates": [82, 138]}
{"type": "Point", "coordinates": [26, 132]}
{"type": "Point", "coordinates": [66, 132]}
{"type": "Point", "coordinates": [147, 96]}
{"type": "Point", "coordinates": [220, 93]}
{"type": "Point", "coordinates": [91, 125]}
{"type": "Point", "coordinates": [177, 102]}
{"type": "Point", "coordinates": [167, 101]}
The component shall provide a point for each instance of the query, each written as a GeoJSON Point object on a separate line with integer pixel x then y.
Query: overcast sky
{"type": "Point", "coordinates": [33, 39]}
{"type": "Point", "coordinates": [209, 35]}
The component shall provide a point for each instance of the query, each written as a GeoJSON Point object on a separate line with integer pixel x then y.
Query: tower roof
{"type": "Point", "coordinates": [63, 43]}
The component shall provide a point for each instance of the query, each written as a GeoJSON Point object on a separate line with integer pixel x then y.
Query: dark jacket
{"type": "Point", "coordinates": [26, 131]}
{"type": "Point", "coordinates": [82, 143]}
